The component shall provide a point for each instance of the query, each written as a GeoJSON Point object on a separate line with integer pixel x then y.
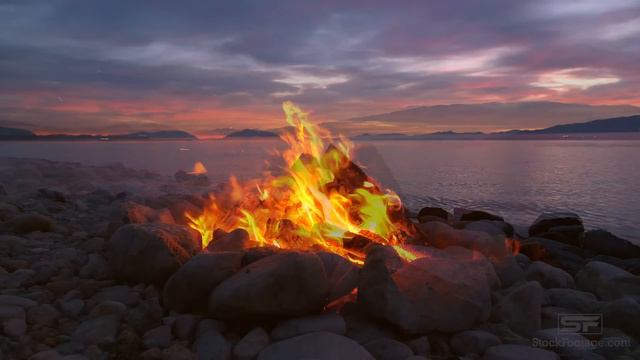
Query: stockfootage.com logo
{"type": "Point", "coordinates": [584, 324]}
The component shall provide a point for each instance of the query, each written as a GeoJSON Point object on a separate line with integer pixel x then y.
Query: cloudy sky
{"type": "Point", "coordinates": [111, 66]}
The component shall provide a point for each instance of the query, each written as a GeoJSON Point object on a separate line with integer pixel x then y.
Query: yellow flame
{"type": "Point", "coordinates": [320, 200]}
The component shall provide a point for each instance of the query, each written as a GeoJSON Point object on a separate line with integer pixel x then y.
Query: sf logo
{"type": "Point", "coordinates": [580, 323]}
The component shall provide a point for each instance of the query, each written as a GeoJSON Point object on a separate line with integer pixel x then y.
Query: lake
{"type": "Point", "coordinates": [519, 179]}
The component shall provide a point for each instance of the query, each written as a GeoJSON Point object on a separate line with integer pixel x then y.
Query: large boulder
{"type": "Point", "coordinates": [565, 227]}
{"type": "Point", "coordinates": [251, 344]}
{"type": "Point", "coordinates": [567, 344]}
{"type": "Point", "coordinates": [430, 213]}
{"type": "Point", "coordinates": [446, 291]}
{"type": "Point", "coordinates": [623, 314]}
{"type": "Point", "coordinates": [607, 282]}
{"type": "Point", "coordinates": [235, 240]}
{"type": "Point", "coordinates": [477, 215]}
{"type": "Point", "coordinates": [581, 301]}
{"type": "Point", "coordinates": [508, 270]}
{"type": "Point", "coordinates": [284, 284]}
{"type": "Point", "coordinates": [493, 227]}
{"type": "Point", "coordinates": [188, 289]}
{"type": "Point", "coordinates": [330, 322]}
{"type": "Point", "coordinates": [520, 308]}
{"type": "Point", "coordinates": [549, 276]}
{"type": "Point", "coordinates": [441, 235]}
{"type": "Point", "coordinates": [603, 242]}
{"type": "Point", "coordinates": [151, 253]}
{"type": "Point", "coordinates": [564, 256]}
{"type": "Point", "coordinates": [317, 346]}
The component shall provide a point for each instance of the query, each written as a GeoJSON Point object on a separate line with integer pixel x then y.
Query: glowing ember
{"type": "Point", "coordinates": [322, 200]}
{"type": "Point", "coordinates": [198, 168]}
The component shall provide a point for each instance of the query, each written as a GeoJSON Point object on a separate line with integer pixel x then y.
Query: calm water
{"type": "Point", "coordinates": [598, 179]}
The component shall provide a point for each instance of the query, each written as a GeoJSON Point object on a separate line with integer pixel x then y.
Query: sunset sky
{"type": "Point", "coordinates": [115, 66]}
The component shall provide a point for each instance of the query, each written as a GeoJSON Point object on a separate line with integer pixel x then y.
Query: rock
{"type": "Point", "coordinates": [581, 301]}
{"type": "Point", "coordinates": [428, 213]}
{"type": "Point", "coordinates": [211, 345]}
{"type": "Point", "coordinates": [236, 240]}
{"type": "Point", "coordinates": [447, 291]}
{"type": "Point", "coordinates": [96, 268]}
{"type": "Point", "coordinates": [120, 293]}
{"type": "Point", "coordinates": [623, 314]}
{"type": "Point", "coordinates": [184, 326]}
{"type": "Point", "coordinates": [520, 308]}
{"type": "Point", "coordinates": [605, 243]}
{"type": "Point", "coordinates": [17, 301]}
{"type": "Point", "coordinates": [286, 284]}
{"type": "Point", "coordinates": [72, 307]}
{"type": "Point", "coordinates": [8, 211]}
{"type": "Point", "coordinates": [517, 352]}
{"type": "Point", "coordinates": [14, 327]}
{"type": "Point", "coordinates": [492, 227]}
{"type": "Point", "coordinates": [187, 290]}
{"type": "Point", "coordinates": [108, 307]}
{"type": "Point", "coordinates": [549, 276]}
{"type": "Point", "coordinates": [146, 315]}
{"type": "Point", "coordinates": [159, 337]}
{"type": "Point", "coordinates": [420, 346]}
{"type": "Point", "coordinates": [442, 236]}
{"type": "Point", "coordinates": [473, 342]}
{"type": "Point", "coordinates": [567, 344]}
{"type": "Point", "coordinates": [99, 331]}
{"type": "Point", "coordinates": [565, 227]}
{"type": "Point", "coordinates": [476, 215]}
{"type": "Point", "coordinates": [27, 223]}
{"type": "Point", "coordinates": [151, 253]}
{"type": "Point", "coordinates": [135, 213]}
{"type": "Point", "coordinates": [45, 315]}
{"type": "Point", "coordinates": [95, 244]}
{"type": "Point", "coordinates": [329, 322]}
{"type": "Point", "coordinates": [318, 346]}
{"type": "Point", "coordinates": [508, 270]}
{"type": "Point", "coordinates": [152, 354]}
{"type": "Point", "coordinates": [566, 257]}
{"type": "Point", "coordinates": [52, 195]}
{"type": "Point", "coordinates": [607, 282]}
{"type": "Point", "coordinates": [388, 349]}
{"type": "Point", "coordinates": [210, 324]}
{"type": "Point", "coordinates": [251, 344]}
{"type": "Point", "coordinates": [17, 279]}
{"type": "Point", "coordinates": [342, 275]}
{"type": "Point", "coordinates": [177, 352]}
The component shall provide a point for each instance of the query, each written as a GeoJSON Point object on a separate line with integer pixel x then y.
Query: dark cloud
{"type": "Point", "coordinates": [72, 64]}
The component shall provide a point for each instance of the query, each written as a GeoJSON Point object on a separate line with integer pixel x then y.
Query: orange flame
{"type": "Point", "coordinates": [198, 168]}
{"type": "Point", "coordinates": [321, 201]}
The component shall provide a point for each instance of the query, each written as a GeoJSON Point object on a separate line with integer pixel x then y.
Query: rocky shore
{"type": "Point", "coordinates": [96, 262]}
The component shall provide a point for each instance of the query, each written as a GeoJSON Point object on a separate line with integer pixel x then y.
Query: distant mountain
{"type": "Point", "coordinates": [164, 134]}
{"type": "Point", "coordinates": [252, 133]}
{"type": "Point", "coordinates": [624, 124]}
{"type": "Point", "coordinates": [20, 134]}
{"type": "Point", "coordinates": [435, 135]}
{"type": "Point", "coordinates": [484, 117]}
{"type": "Point", "coordinates": [7, 133]}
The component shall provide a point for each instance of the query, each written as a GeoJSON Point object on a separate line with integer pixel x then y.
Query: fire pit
{"type": "Point", "coordinates": [321, 201]}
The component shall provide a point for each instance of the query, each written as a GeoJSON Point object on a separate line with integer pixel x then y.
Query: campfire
{"type": "Point", "coordinates": [321, 200]}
